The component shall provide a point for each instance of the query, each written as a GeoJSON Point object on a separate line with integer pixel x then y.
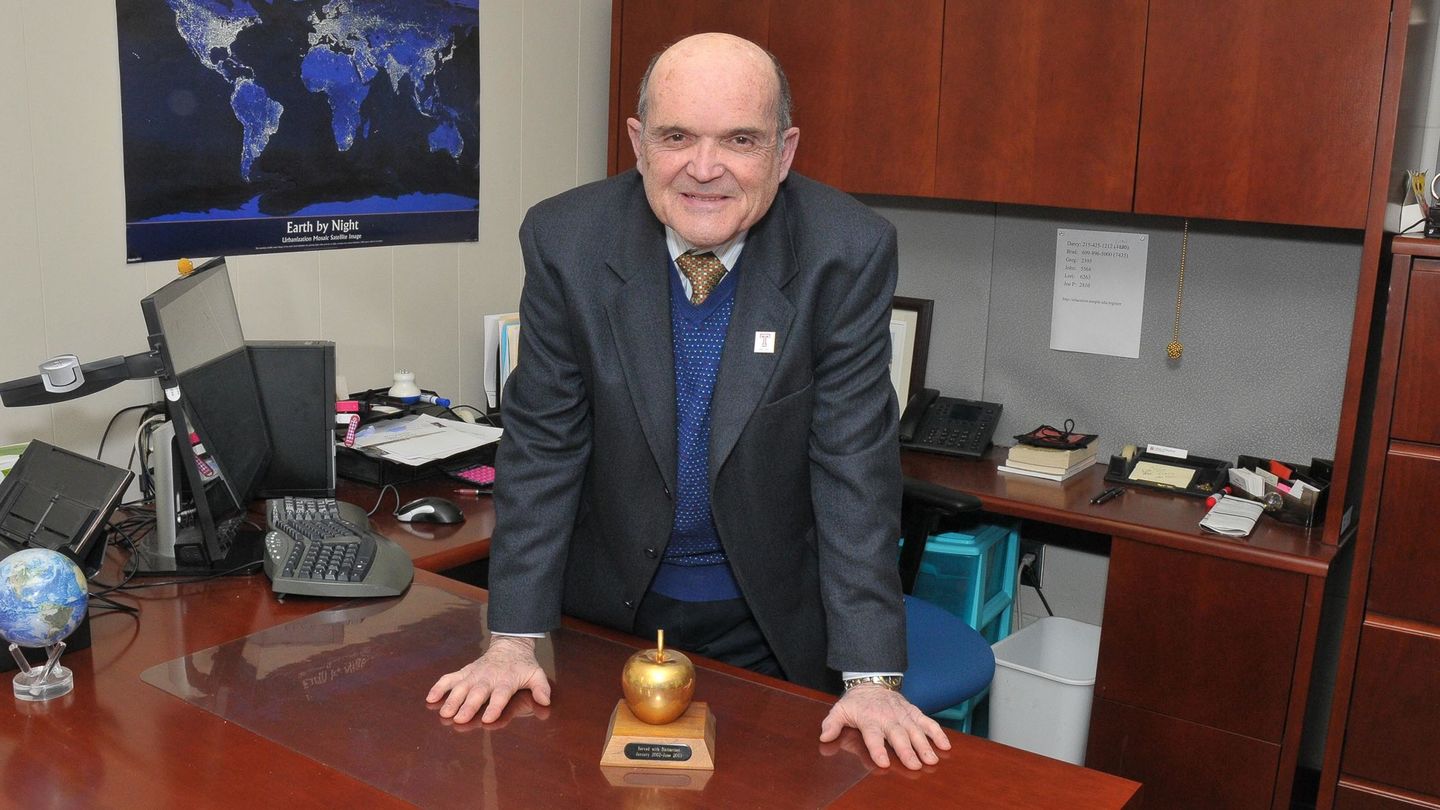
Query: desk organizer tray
{"type": "Point", "coordinates": [1294, 510]}
{"type": "Point", "coordinates": [1142, 469]}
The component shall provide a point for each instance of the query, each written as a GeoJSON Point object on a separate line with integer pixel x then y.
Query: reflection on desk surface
{"type": "Point", "coordinates": [346, 687]}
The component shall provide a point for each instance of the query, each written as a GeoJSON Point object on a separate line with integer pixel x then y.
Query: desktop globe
{"type": "Point", "coordinates": [43, 599]}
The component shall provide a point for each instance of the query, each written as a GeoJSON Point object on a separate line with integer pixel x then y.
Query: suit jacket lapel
{"type": "Point", "coordinates": [766, 264]}
{"type": "Point", "coordinates": [639, 314]}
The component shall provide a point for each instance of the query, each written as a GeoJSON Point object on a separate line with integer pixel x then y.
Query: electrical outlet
{"type": "Point", "coordinates": [1032, 576]}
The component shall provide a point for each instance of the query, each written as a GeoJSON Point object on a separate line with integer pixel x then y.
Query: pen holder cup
{"type": "Point", "coordinates": [1307, 511]}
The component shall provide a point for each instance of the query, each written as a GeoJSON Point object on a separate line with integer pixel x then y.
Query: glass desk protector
{"type": "Point", "coordinates": [346, 687]}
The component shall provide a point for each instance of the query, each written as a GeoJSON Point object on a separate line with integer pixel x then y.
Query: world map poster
{"type": "Point", "coordinates": [253, 126]}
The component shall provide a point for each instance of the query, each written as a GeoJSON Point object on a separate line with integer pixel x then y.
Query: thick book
{"type": "Point", "coordinates": [1047, 476]}
{"type": "Point", "coordinates": [1051, 457]}
{"type": "Point", "coordinates": [1046, 468]}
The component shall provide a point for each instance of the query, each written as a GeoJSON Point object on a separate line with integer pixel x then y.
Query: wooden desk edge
{"type": "Point", "coordinates": [1217, 546]}
{"type": "Point", "coordinates": [447, 558]}
{"type": "Point", "coordinates": [892, 787]}
{"type": "Point", "coordinates": [974, 477]}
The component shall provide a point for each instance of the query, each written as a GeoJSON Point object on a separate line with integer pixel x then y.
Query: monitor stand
{"type": "Point", "coordinates": [246, 549]}
{"type": "Point", "coordinates": [178, 549]}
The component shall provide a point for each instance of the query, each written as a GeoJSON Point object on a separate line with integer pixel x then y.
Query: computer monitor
{"type": "Point", "coordinates": [213, 400]}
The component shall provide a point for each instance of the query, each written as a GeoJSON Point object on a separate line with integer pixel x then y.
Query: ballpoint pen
{"type": "Point", "coordinates": [1109, 494]}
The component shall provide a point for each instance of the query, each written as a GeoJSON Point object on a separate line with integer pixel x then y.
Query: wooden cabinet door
{"type": "Point", "coordinates": [1417, 383]}
{"type": "Point", "coordinates": [642, 28]}
{"type": "Point", "coordinates": [1040, 102]}
{"type": "Point", "coordinates": [1182, 765]}
{"type": "Point", "coordinates": [1200, 638]}
{"type": "Point", "coordinates": [1405, 563]}
{"type": "Point", "coordinates": [1393, 733]}
{"type": "Point", "coordinates": [865, 75]}
{"type": "Point", "coordinates": [1263, 110]}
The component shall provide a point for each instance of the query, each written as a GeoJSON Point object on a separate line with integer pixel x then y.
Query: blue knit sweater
{"type": "Point", "coordinates": [694, 568]}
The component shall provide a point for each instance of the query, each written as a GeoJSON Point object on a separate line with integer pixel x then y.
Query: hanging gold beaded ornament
{"type": "Point", "coordinates": [1176, 348]}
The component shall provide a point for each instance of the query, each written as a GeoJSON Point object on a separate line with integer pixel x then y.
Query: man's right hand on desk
{"type": "Point", "coordinates": [507, 667]}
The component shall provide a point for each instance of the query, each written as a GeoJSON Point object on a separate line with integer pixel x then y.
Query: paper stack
{"type": "Point", "coordinates": [420, 439]}
{"type": "Point", "coordinates": [1232, 517]}
{"type": "Point", "coordinates": [1049, 463]}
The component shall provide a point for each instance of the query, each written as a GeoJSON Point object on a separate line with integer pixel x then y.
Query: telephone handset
{"type": "Point", "coordinates": [954, 427]}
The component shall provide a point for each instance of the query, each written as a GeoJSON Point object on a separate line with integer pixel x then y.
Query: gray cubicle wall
{"type": "Point", "coordinates": [1266, 327]}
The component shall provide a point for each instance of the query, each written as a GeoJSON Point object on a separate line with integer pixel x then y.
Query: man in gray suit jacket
{"type": "Point", "coordinates": [733, 478]}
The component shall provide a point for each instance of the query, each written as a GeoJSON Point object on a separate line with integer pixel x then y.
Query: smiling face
{"type": "Point", "coordinates": [709, 148]}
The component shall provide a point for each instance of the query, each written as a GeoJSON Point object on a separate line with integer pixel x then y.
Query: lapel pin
{"type": "Point", "coordinates": [764, 342]}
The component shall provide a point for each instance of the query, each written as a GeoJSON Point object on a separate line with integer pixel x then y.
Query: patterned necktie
{"type": "Point", "coordinates": [704, 271]}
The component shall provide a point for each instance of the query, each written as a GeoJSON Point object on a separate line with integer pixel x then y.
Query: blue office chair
{"type": "Point", "coordinates": [950, 662]}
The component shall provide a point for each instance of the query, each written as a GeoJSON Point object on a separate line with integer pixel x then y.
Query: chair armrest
{"type": "Point", "coordinates": [945, 499]}
{"type": "Point", "coordinates": [923, 506]}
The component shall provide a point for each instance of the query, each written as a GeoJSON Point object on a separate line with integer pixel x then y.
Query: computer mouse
{"type": "Point", "coordinates": [432, 509]}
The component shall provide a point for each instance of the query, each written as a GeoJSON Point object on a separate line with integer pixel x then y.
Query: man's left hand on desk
{"type": "Point", "coordinates": [885, 716]}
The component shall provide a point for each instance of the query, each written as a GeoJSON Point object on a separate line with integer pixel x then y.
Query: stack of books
{"type": "Point", "coordinates": [1049, 463]}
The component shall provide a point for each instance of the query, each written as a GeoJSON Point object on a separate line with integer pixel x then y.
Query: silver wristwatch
{"type": "Point", "coordinates": [891, 682]}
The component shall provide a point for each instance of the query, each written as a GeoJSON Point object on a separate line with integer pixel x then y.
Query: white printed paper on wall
{"type": "Point", "coordinates": [1099, 297]}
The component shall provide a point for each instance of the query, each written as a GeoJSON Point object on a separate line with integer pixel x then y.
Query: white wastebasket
{"type": "Point", "coordinates": [1044, 680]}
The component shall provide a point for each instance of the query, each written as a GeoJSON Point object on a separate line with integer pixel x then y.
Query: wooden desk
{"type": "Point", "coordinates": [1208, 641]}
{"type": "Point", "coordinates": [119, 742]}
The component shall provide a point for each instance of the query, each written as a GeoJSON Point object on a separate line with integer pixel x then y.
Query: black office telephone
{"type": "Point", "coordinates": [953, 427]}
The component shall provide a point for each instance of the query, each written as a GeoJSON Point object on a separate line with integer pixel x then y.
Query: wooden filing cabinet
{"type": "Point", "coordinates": [1383, 750]}
{"type": "Point", "coordinates": [1195, 692]}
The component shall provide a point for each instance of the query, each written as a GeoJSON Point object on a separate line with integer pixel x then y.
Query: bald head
{"type": "Point", "coordinates": [713, 140]}
{"type": "Point", "coordinates": [714, 52]}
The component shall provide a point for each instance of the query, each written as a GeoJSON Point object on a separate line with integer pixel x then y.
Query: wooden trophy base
{"type": "Point", "coordinates": [686, 742]}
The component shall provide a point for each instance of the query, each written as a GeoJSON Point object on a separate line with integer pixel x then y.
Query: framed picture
{"type": "Point", "coordinates": [909, 345]}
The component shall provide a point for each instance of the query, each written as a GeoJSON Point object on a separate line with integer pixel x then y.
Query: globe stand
{"type": "Point", "coordinates": [42, 683]}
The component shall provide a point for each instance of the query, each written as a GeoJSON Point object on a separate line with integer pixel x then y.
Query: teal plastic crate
{"type": "Point", "coordinates": [972, 575]}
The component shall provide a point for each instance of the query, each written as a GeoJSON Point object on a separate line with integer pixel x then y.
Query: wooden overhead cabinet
{"type": "Point", "coordinates": [1040, 102]}
{"type": "Point", "coordinates": [1263, 111]}
{"type": "Point", "coordinates": [866, 80]}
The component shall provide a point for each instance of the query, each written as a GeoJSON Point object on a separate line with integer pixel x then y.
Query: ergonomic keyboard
{"type": "Point", "coordinates": [325, 547]}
